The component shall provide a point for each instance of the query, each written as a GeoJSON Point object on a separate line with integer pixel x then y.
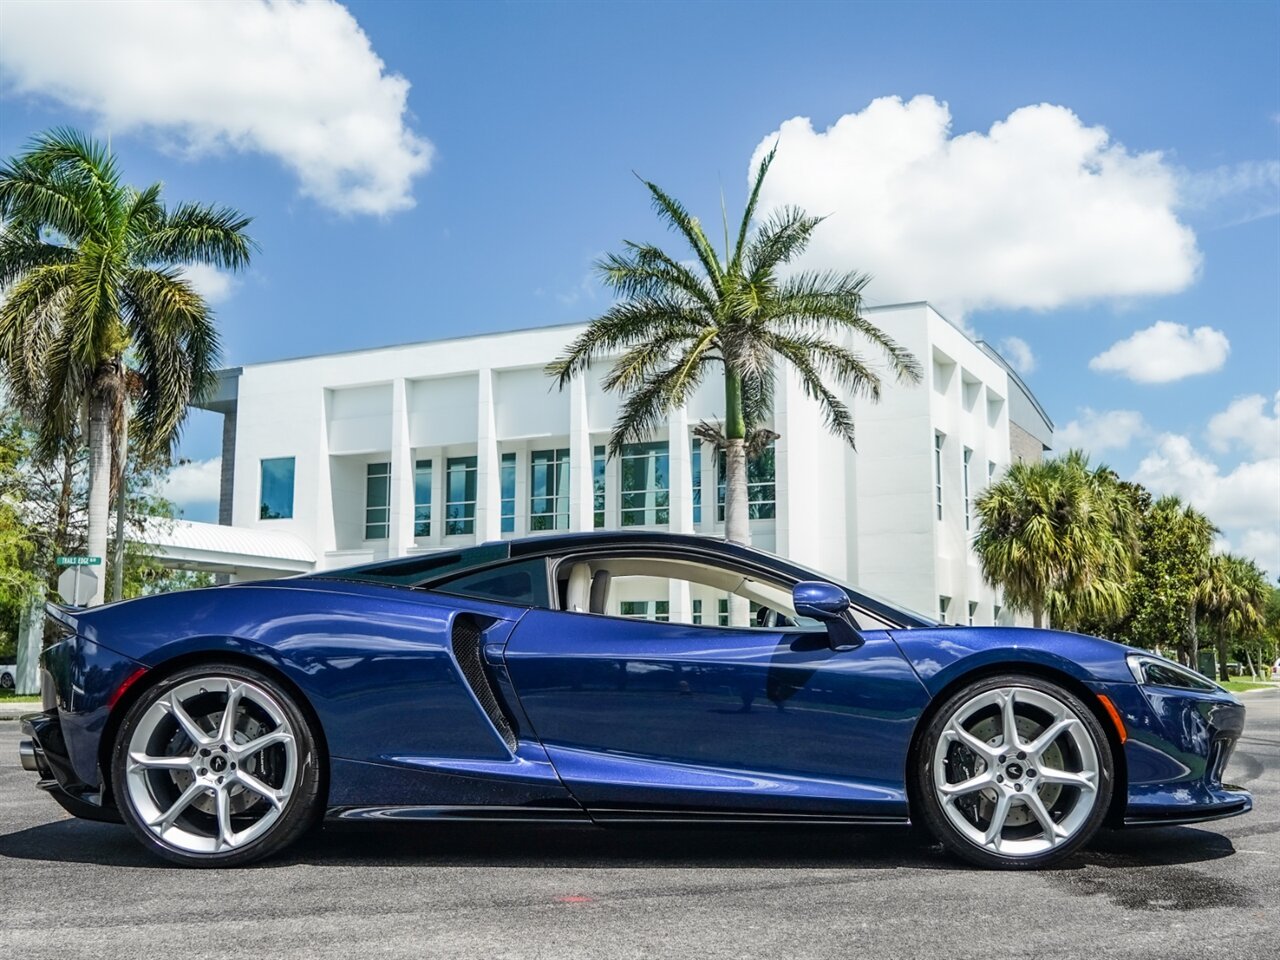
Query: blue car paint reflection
{"type": "Point", "coordinates": [585, 715]}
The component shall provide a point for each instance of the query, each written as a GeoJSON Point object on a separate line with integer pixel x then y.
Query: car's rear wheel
{"type": "Point", "coordinates": [216, 766]}
{"type": "Point", "coordinates": [1014, 772]}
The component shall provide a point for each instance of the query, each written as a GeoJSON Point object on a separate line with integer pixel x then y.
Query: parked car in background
{"type": "Point", "coordinates": [8, 676]}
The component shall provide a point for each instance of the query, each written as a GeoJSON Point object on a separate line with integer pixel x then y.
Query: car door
{"type": "Point", "coordinates": [644, 718]}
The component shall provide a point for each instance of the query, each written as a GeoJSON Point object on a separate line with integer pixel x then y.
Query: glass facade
{"type": "Point", "coordinates": [762, 501]}
{"type": "Point", "coordinates": [422, 498]}
{"type": "Point", "coordinates": [695, 465]}
{"type": "Point", "coordinates": [549, 490]}
{"type": "Point", "coordinates": [938, 440]}
{"type": "Point", "coordinates": [377, 501]}
{"type": "Point", "coordinates": [276, 499]}
{"type": "Point", "coordinates": [508, 493]}
{"type": "Point", "coordinates": [599, 460]}
{"type": "Point", "coordinates": [646, 484]}
{"type": "Point", "coordinates": [460, 496]}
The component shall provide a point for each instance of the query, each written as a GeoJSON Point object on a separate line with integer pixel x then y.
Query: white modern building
{"type": "Point", "coordinates": [344, 458]}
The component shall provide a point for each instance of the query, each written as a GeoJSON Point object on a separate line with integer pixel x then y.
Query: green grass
{"type": "Point", "coordinates": [1240, 686]}
{"type": "Point", "coordinates": [8, 696]}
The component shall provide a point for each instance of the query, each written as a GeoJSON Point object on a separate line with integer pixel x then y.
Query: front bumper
{"type": "Point", "coordinates": [1178, 747]}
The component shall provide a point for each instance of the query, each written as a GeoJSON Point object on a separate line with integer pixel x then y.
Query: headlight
{"type": "Point", "coordinates": [1159, 672]}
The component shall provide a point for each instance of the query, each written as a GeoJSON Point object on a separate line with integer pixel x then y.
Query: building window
{"type": "Point", "coordinates": [460, 496]}
{"type": "Point", "coordinates": [695, 464]}
{"type": "Point", "coordinates": [549, 490]}
{"type": "Point", "coordinates": [761, 491]}
{"type": "Point", "coordinates": [508, 477]}
{"type": "Point", "coordinates": [634, 609]}
{"type": "Point", "coordinates": [598, 462]}
{"type": "Point", "coordinates": [697, 611]}
{"type": "Point", "coordinates": [276, 502]}
{"type": "Point", "coordinates": [662, 611]}
{"type": "Point", "coordinates": [991, 471]}
{"type": "Point", "coordinates": [645, 484]}
{"type": "Point", "coordinates": [938, 440]}
{"type": "Point", "coordinates": [722, 611]}
{"type": "Point", "coordinates": [377, 501]}
{"type": "Point", "coordinates": [943, 603]}
{"type": "Point", "coordinates": [995, 614]}
{"type": "Point", "coordinates": [973, 611]}
{"type": "Point", "coordinates": [422, 498]}
{"type": "Point", "coordinates": [968, 456]}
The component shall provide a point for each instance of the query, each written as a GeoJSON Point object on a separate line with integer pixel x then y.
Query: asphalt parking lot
{"type": "Point", "coordinates": [78, 889]}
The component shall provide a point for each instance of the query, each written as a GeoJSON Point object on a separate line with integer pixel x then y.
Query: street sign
{"type": "Point", "coordinates": [79, 561]}
{"type": "Point", "coordinates": [78, 584]}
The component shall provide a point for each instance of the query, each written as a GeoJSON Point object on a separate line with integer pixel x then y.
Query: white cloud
{"type": "Point", "coordinates": [1245, 424]}
{"type": "Point", "coordinates": [1244, 502]}
{"type": "Point", "coordinates": [1018, 352]}
{"type": "Point", "coordinates": [210, 282]}
{"type": "Point", "coordinates": [1165, 352]}
{"type": "Point", "coordinates": [1039, 211]}
{"type": "Point", "coordinates": [298, 81]}
{"type": "Point", "coordinates": [194, 482]}
{"type": "Point", "coordinates": [1097, 431]}
{"type": "Point", "coordinates": [1233, 193]}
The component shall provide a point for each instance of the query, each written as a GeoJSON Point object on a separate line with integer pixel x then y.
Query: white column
{"type": "Point", "coordinates": [680, 476]}
{"type": "Point", "coordinates": [401, 532]}
{"type": "Point", "coordinates": [581, 486]}
{"type": "Point", "coordinates": [488, 464]}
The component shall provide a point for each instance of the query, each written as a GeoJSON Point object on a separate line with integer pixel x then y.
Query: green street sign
{"type": "Point", "coordinates": [79, 561]}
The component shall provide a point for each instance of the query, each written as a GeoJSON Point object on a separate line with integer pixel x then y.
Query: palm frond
{"type": "Point", "coordinates": [749, 211]}
{"type": "Point", "coordinates": [197, 233]}
{"type": "Point", "coordinates": [648, 407]}
{"type": "Point", "coordinates": [624, 325]}
{"type": "Point", "coordinates": [676, 216]}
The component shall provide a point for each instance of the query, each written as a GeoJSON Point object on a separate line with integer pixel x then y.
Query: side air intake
{"type": "Point", "coordinates": [467, 640]}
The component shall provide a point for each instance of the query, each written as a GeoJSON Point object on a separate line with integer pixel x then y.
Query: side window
{"type": "Point", "coordinates": [670, 590]}
{"type": "Point", "coordinates": [523, 583]}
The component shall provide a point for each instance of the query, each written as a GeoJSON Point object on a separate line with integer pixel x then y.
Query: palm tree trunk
{"type": "Point", "coordinates": [1192, 639]}
{"type": "Point", "coordinates": [1037, 614]}
{"type": "Point", "coordinates": [736, 526]}
{"type": "Point", "coordinates": [1222, 655]}
{"type": "Point", "coordinates": [99, 477]}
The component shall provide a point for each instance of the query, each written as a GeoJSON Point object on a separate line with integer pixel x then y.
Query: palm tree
{"type": "Point", "coordinates": [92, 274]}
{"type": "Point", "coordinates": [1233, 596]}
{"type": "Point", "coordinates": [675, 322]}
{"type": "Point", "coordinates": [1059, 538]}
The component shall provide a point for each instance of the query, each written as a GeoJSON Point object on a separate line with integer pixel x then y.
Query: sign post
{"type": "Point", "coordinates": [79, 581]}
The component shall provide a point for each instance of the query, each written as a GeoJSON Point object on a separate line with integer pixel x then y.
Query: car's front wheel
{"type": "Point", "coordinates": [1014, 772]}
{"type": "Point", "coordinates": [216, 766]}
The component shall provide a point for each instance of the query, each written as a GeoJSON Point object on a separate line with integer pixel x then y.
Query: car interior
{"type": "Point", "coordinates": [590, 585]}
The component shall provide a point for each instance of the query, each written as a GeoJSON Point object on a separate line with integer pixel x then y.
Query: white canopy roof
{"type": "Point", "coordinates": [212, 546]}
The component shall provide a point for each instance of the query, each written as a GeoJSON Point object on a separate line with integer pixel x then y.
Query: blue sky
{"type": "Point", "coordinates": [480, 155]}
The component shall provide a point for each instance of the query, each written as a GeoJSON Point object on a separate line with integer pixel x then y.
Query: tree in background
{"type": "Point", "coordinates": [92, 273]}
{"type": "Point", "coordinates": [674, 323]}
{"type": "Point", "coordinates": [1059, 537]}
{"type": "Point", "coordinates": [44, 514]}
{"type": "Point", "coordinates": [1175, 543]}
{"type": "Point", "coordinates": [1233, 595]}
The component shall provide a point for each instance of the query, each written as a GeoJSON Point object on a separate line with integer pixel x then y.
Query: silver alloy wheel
{"type": "Point", "coordinates": [1016, 772]}
{"type": "Point", "coordinates": [212, 764]}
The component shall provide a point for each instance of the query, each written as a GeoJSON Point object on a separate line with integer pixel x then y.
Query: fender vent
{"type": "Point", "coordinates": [467, 639]}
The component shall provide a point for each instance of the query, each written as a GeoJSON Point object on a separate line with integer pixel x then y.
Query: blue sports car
{"type": "Point", "coordinates": [524, 680]}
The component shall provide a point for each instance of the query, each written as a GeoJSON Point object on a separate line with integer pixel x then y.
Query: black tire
{"type": "Point", "coordinates": [299, 811]}
{"type": "Point", "coordinates": [6, 681]}
{"type": "Point", "coordinates": [930, 806]}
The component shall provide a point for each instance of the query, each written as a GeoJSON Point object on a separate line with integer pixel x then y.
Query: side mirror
{"type": "Point", "coordinates": [830, 604]}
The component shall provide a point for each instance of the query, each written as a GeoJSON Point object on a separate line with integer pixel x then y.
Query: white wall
{"type": "Point", "coordinates": [866, 515]}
